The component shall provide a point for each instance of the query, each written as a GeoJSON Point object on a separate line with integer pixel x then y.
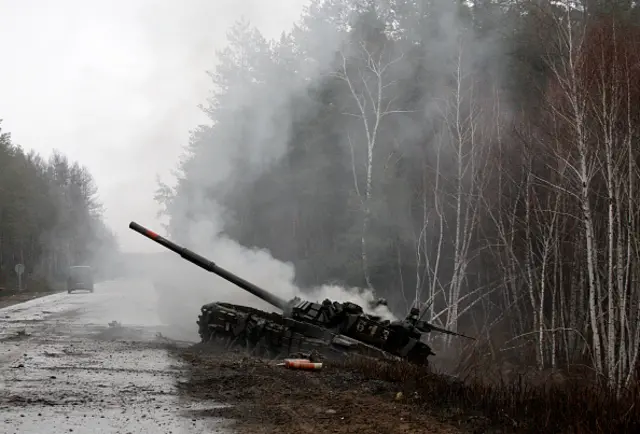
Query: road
{"type": "Point", "coordinates": [64, 368]}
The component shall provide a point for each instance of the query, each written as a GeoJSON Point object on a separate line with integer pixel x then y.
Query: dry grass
{"type": "Point", "coordinates": [9, 298]}
{"type": "Point", "coordinates": [489, 398]}
{"type": "Point", "coordinates": [268, 399]}
{"type": "Point", "coordinates": [574, 405]}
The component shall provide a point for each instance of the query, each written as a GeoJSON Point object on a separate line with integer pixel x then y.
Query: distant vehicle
{"type": "Point", "coordinates": [80, 278]}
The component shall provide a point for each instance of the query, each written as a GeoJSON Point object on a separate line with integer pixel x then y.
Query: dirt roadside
{"type": "Point", "coordinates": [266, 398]}
{"type": "Point", "coordinates": [11, 297]}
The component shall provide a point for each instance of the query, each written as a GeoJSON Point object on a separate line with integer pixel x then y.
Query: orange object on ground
{"type": "Point", "coordinates": [302, 364]}
{"type": "Point", "coordinates": [296, 360]}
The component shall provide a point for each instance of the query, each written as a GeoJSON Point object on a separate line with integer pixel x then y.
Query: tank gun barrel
{"type": "Point", "coordinates": [210, 266]}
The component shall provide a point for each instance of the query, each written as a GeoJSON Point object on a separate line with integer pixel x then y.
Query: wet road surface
{"type": "Point", "coordinates": [92, 363]}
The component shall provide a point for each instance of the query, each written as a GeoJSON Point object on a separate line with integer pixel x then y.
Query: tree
{"type": "Point", "coordinates": [50, 217]}
{"type": "Point", "coordinates": [477, 158]}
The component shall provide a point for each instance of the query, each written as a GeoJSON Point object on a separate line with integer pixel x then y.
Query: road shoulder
{"type": "Point", "coordinates": [11, 297]}
{"type": "Point", "coordinates": [266, 398]}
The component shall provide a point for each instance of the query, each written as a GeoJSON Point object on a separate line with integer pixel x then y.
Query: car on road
{"type": "Point", "coordinates": [80, 278]}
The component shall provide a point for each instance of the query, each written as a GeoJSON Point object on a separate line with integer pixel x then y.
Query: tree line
{"type": "Point", "coordinates": [50, 217]}
{"type": "Point", "coordinates": [479, 158]}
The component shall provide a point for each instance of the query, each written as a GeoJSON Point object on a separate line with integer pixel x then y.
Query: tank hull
{"type": "Point", "coordinates": [272, 335]}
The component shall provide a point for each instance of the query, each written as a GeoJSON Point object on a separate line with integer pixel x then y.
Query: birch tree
{"type": "Point", "coordinates": [368, 76]}
{"type": "Point", "coordinates": [460, 114]}
{"type": "Point", "coordinates": [592, 103]}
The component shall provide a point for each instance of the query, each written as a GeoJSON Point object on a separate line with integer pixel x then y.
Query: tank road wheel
{"type": "Point", "coordinates": [223, 340]}
{"type": "Point", "coordinates": [203, 328]}
{"type": "Point", "coordinates": [239, 341]}
{"type": "Point", "coordinates": [264, 349]}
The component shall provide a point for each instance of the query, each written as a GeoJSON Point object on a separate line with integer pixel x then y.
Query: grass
{"type": "Point", "coordinates": [530, 402]}
{"type": "Point", "coordinates": [571, 406]}
{"type": "Point", "coordinates": [31, 284]}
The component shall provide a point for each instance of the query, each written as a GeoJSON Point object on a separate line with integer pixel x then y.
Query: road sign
{"type": "Point", "coordinates": [19, 270]}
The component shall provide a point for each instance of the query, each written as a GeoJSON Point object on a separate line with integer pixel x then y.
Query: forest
{"type": "Point", "coordinates": [479, 158]}
{"type": "Point", "coordinates": [50, 218]}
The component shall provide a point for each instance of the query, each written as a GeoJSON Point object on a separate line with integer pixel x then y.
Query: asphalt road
{"type": "Point", "coordinates": [64, 368]}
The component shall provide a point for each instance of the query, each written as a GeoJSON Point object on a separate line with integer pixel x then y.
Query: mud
{"type": "Point", "coordinates": [266, 398]}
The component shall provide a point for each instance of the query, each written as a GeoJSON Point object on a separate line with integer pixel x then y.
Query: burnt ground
{"type": "Point", "coordinates": [265, 398]}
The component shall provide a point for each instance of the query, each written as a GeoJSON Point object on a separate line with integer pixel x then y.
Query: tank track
{"type": "Point", "coordinates": [270, 335]}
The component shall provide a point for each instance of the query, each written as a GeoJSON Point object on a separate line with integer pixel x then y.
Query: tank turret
{"type": "Point", "coordinates": [329, 328]}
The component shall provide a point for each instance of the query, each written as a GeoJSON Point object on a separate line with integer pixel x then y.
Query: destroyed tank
{"type": "Point", "coordinates": [329, 329]}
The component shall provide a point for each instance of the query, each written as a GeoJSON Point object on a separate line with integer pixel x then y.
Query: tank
{"type": "Point", "coordinates": [329, 329]}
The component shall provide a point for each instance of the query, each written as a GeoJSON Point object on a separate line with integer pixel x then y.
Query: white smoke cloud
{"type": "Point", "coordinates": [187, 288]}
{"type": "Point", "coordinates": [183, 287]}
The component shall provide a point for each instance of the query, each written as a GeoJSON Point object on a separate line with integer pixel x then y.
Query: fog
{"type": "Point", "coordinates": [116, 86]}
{"type": "Point", "coordinates": [217, 165]}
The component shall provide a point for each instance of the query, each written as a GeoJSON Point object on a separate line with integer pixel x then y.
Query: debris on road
{"type": "Point", "coordinates": [64, 367]}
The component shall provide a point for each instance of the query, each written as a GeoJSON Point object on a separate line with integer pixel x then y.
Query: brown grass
{"type": "Point", "coordinates": [489, 398]}
{"type": "Point", "coordinates": [574, 405]}
{"type": "Point", "coordinates": [266, 398]}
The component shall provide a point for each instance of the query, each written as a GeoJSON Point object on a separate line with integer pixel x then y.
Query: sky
{"type": "Point", "coordinates": [115, 85]}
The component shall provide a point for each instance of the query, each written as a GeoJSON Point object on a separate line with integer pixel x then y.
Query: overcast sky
{"type": "Point", "coordinates": [115, 84]}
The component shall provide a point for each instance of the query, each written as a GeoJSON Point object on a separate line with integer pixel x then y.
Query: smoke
{"type": "Point", "coordinates": [250, 130]}
{"type": "Point", "coordinates": [197, 220]}
{"type": "Point", "coordinates": [183, 287]}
